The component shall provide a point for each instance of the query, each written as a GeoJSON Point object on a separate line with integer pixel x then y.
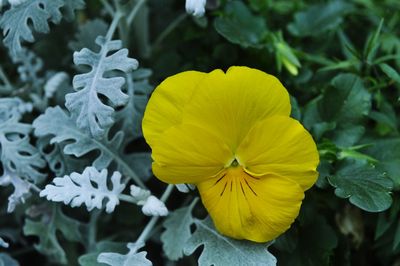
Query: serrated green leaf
{"type": "Point", "coordinates": [313, 243]}
{"type": "Point", "coordinates": [387, 151]}
{"type": "Point", "coordinates": [238, 25]}
{"type": "Point", "coordinates": [219, 250]}
{"type": "Point", "coordinates": [319, 18]}
{"type": "Point", "coordinates": [363, 185]}
{"type": "Point", "coordinates": [346, 101]}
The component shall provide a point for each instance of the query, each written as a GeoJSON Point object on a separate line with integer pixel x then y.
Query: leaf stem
{"type": "Point", "coordinates": [134, 11]}
{"type": "Point", "coordinates": [149, 227]}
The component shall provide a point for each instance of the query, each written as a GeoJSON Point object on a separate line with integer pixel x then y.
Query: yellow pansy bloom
{"type": "Point", "coordinates": [230, 134]}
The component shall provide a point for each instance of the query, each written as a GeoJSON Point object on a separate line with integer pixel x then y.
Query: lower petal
{"type": "Point", "coordinates": [253, 208]}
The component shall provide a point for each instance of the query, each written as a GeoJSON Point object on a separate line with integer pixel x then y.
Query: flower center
{"type": "Point", "coordinates": [235, 163]}
{"type": "Point", "coordinates": [235, 177]}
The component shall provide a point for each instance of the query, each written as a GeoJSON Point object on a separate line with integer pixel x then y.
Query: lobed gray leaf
{"type": "Point", "coordinates": [132, 258]}
{"type": "Point", "coordinates": [89, 188]}
{"type": "Point", "coordinates": [220, 250]}
{"type": "Point", "coordinates": [21, 189]}
{"type": "Point", "coordinates": [92, 115]}
{"type": "Point", "coordinates": [14, 21]}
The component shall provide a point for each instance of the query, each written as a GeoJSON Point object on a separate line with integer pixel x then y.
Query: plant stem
{"type": "Point", "coordinates": [149, 227]}
{"type": "Point", "coordinates": [108, 7]}
{"type": "Point", "coordinates": [113, 26]}
{"type": "Point", "coordinates": [169, 29]}
{"type": "Point", "coordinates": [4, 78]}
{"type": "Point", "coordinates": [134, 11]}
{"type": "Point", "coordinates": [127, 198]}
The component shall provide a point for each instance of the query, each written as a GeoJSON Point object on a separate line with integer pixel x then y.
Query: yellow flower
{"type": "Point", "coordinates": [231, 135]}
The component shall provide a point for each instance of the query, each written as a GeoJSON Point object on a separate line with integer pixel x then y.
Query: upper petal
{"type": "Point", "coordinates": [244, 207]}
{"type": "Point", "coordinates": [229, 104]}
{"type": "Point", "coordinates": [281, 146]}
{"type": "Point", "coordinates": [188, 153]}
{"type": "Point", "coordinates": [164, 108]}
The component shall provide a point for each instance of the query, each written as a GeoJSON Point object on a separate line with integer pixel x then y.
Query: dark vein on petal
{"type": "Point", "coordinates": [241, 186]}
{"type": "Point", "coordinates": [216, 182]}
{"type": "Point", "coordinates": [250, 187]}
{"type": "Point", "coordinates": [253, 177]}
{"type": "Point", "coordinates": [231, 185]}
{"type": "Point", "coordinates": [224, 189]}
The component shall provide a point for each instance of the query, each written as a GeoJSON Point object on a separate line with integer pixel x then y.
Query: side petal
{"type": "Point", "coordinates": [243, 207]}
{"type": "Point", "coordinates": [281, 146]}
{"type": "Point", "coordinates": [189, 154]}
{"type": "Point", "coordinates": [164, 108]}
{"type": "Point", "coordinates": [231, 103]}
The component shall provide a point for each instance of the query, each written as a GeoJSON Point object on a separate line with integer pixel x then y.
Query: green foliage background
{"type": "Point", "coordinates": [339, 60]}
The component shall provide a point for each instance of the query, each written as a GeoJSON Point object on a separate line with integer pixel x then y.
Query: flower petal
{"type": "Point", "coordinates": [281, 146]}
{"type": "Point", "coordinates": [167, 101]}
{"type": "Point", "coordinates": [229, 104]}
{"type": "Point", "coordinates": [244, 207]}
{"type": "Point", "coordinates": [189, 154]}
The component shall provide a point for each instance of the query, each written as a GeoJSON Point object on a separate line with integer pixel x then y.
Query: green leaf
{"type": "Point", "coordinates": [311, 244]}
{"type": "Point", "coordinates": [238, 25]}
{"type": "Point", "coordinates": [177, 231]}
{"type": "Point", "coordinates": [346, 101]}
{"type": "Point", "coordinates": [390, 72]}
{"type": "Point", "coordinates": [387, 151]}
{"type": "Point", "coordinates": [52, 222]}
{"type": "Point", "coordinates": [373, 43]}
{"type": "Point", "coordinates": [363, 185]}
{"type": "Point", "coordinates": [220, 250]}
{"type": "Point", "coordinates": [319, 18]}
{"type": "Point", "coordinates": [15, 25]}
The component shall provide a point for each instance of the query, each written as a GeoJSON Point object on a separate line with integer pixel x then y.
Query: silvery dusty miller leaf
{"type": "Point", "coordinates": [92, 115]}
{"type": "Point", "coordinates": [177, 232]}
{"type": "Point", "coordinates": [15, 26]}
{"type": "Point", "coordinates": [17, 154]}
{"type": "Point", "coordinates": [221, 251]}
{"type": "Point", "coordinates": [52, 223]}
{"type": "Point", "coordinates": [21, 188]}
{"type": "Point", "coordinates": [132, 258]}
{"type": "Point", "coordinates": [77, 189]}
{"type": "Point", "coordinates": [56, 123]}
